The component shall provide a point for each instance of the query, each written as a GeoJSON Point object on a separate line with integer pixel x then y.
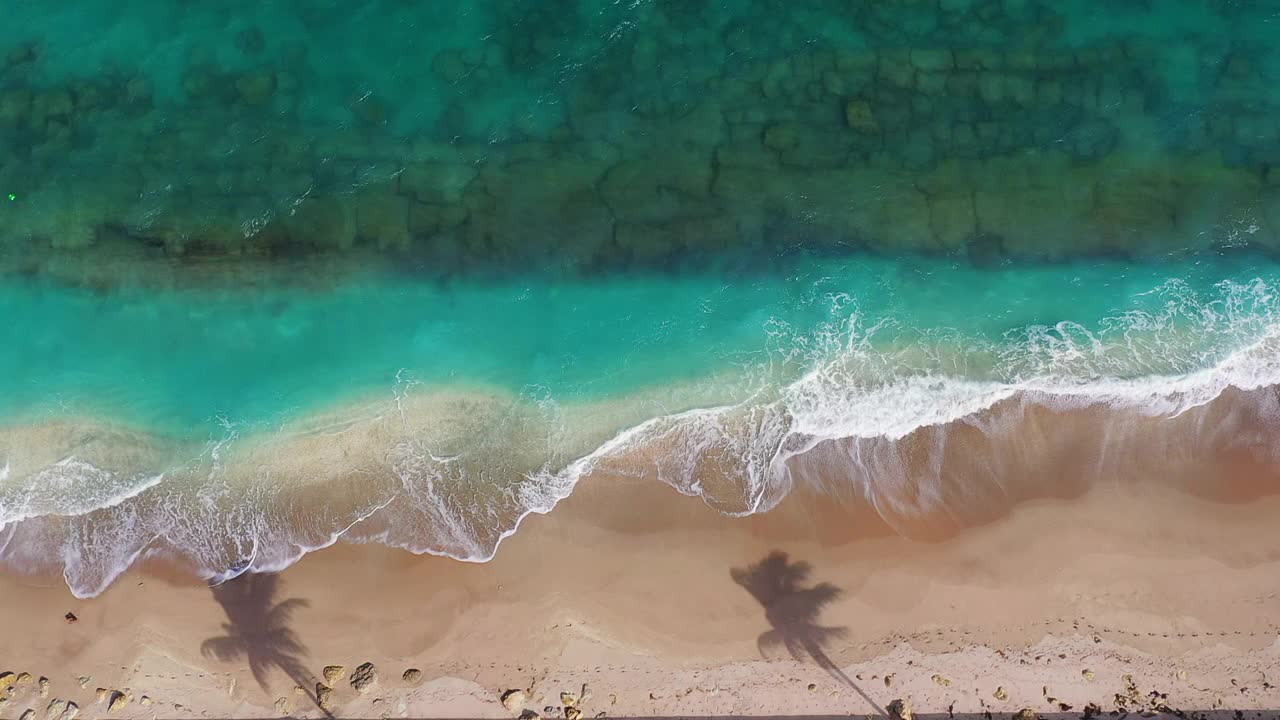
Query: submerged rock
{"type": "Point", "coordinates": [860, 118]}
{"type": "Point", "coordinates": [257, 87]}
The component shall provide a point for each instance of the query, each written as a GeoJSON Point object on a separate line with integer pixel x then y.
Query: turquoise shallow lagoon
{"type": "Point", "coordinates": [281, 273]}
{"type": "Point", "coordinates": [177, 362]}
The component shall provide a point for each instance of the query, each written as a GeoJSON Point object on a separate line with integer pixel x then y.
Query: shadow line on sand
{"type": "Point", "coordinates": [792, 607]}
{"type": "Point", "coordinates": [258, 632]}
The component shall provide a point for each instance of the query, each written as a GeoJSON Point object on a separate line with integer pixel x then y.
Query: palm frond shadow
{"type": "Point", "coordinates": [792, 608]}
{"type": "Point", "coordinates": [259, 631]}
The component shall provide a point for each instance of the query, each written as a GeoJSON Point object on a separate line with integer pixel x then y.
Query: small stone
{"type": "Point", "coordinates": [145, 700]}
{"type": "Point", "coordinates": [569, 699]}
{"type": "Point", "coordinates": [941, 681]}
{"type": "Point", "coordinates": [412, 675]}
{"type": "Point", "coordinates": [1087, 674]}
{"type": "Point", "coordinates": [283, 706]}
{"type": "Point", "coordinates": [324, 696]}
{"type": "Point", "coordinates": [333, 673]}
{"type": "Point", "coordinates": [70, 617]}
{"type": "Point", "coordinates": [1026, 714]}
{"type": "Point", "coordinates": [888, 679]}
{"type": "Point", "coordinates": [119, 701]}
{"type": "Point", "coordinates": [84, 680]}
{"type": "Point", "coordinates": [364, 678]}
{"type": "Point", "coordinates": [70, 712]}
{"type": "Point", "coordinates": [513, 700]}
{"type": "Point", "coordinates": [101, 694]}
{"type": "Point", "coordinates": [572, 713]}
{"type": "Point", "coordinates": [44, 687]}
{"type": "Point", "coordinates": [30, 714]}
{"type": "Point", "coordinates": [6, 679]}
{"type": "Point", "coordinates": [1000, 694]}
{"type": "Point", "coordinates": [900, 710]}
{"type": "Point", "coordinates": [813, 687]}
{"type": "Point", "coordinates": [24, 678]}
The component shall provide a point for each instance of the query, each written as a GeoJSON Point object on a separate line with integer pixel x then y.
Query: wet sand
{"type": "Point", "coordinates": [663, 608]}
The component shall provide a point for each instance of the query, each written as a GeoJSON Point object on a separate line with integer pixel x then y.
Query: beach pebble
{"type": "Point", "coordinates": [334, 673]}
{"type": "Point", "coordinates": [119, 701]}
{"type": "Point", "coordinates": [513, 700]}
{"type": "Point", "coordinates": [324, 696]}
{"type": "Point", "coordinates": [1000, 694]}
{"type": "Point", "coordinates": [1086, 674]}
{"type": "Point", "coordinates": [900, 709]}
{"type": "Point", "coordinates": [364, 678]}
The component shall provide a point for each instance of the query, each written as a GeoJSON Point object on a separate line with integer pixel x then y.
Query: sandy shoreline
{"type": "Point", "coordinates": [641, 594]}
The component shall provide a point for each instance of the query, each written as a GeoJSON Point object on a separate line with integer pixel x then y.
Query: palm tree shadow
{"type": "Point", "coordinates": [258, 631]}
{"type": "Point", "coordinates": [792, 610]}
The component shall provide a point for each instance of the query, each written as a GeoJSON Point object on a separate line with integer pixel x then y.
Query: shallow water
{"type": "Point", "coordinates": [269, 283]}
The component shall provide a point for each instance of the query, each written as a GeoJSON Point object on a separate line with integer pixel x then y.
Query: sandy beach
{"type": "Point", "coordinates": [1121, 600]}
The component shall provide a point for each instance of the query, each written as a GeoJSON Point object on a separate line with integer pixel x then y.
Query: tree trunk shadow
{"type": "Point", "coordinates": [258, 632]}
{"type": "Point", "coordinates": [792, 610]}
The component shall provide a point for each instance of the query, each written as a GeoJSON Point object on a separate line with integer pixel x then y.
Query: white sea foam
{"type": "Point", "coordinates": [866, 404]}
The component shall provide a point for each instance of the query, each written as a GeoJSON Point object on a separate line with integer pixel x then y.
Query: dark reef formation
{"type": "Point", "coordinates": [981, 128]}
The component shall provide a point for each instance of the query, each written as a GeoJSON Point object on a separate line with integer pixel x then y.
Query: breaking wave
{"type": "Point", "coordinates": [933, 428]}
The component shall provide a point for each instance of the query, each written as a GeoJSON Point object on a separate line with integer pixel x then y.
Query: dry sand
{"type": "Point", "coordinates": [661, 607]}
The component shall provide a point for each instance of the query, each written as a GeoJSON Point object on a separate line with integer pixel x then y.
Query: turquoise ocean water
{"type": "Point", "coordinates": [282, 273]}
